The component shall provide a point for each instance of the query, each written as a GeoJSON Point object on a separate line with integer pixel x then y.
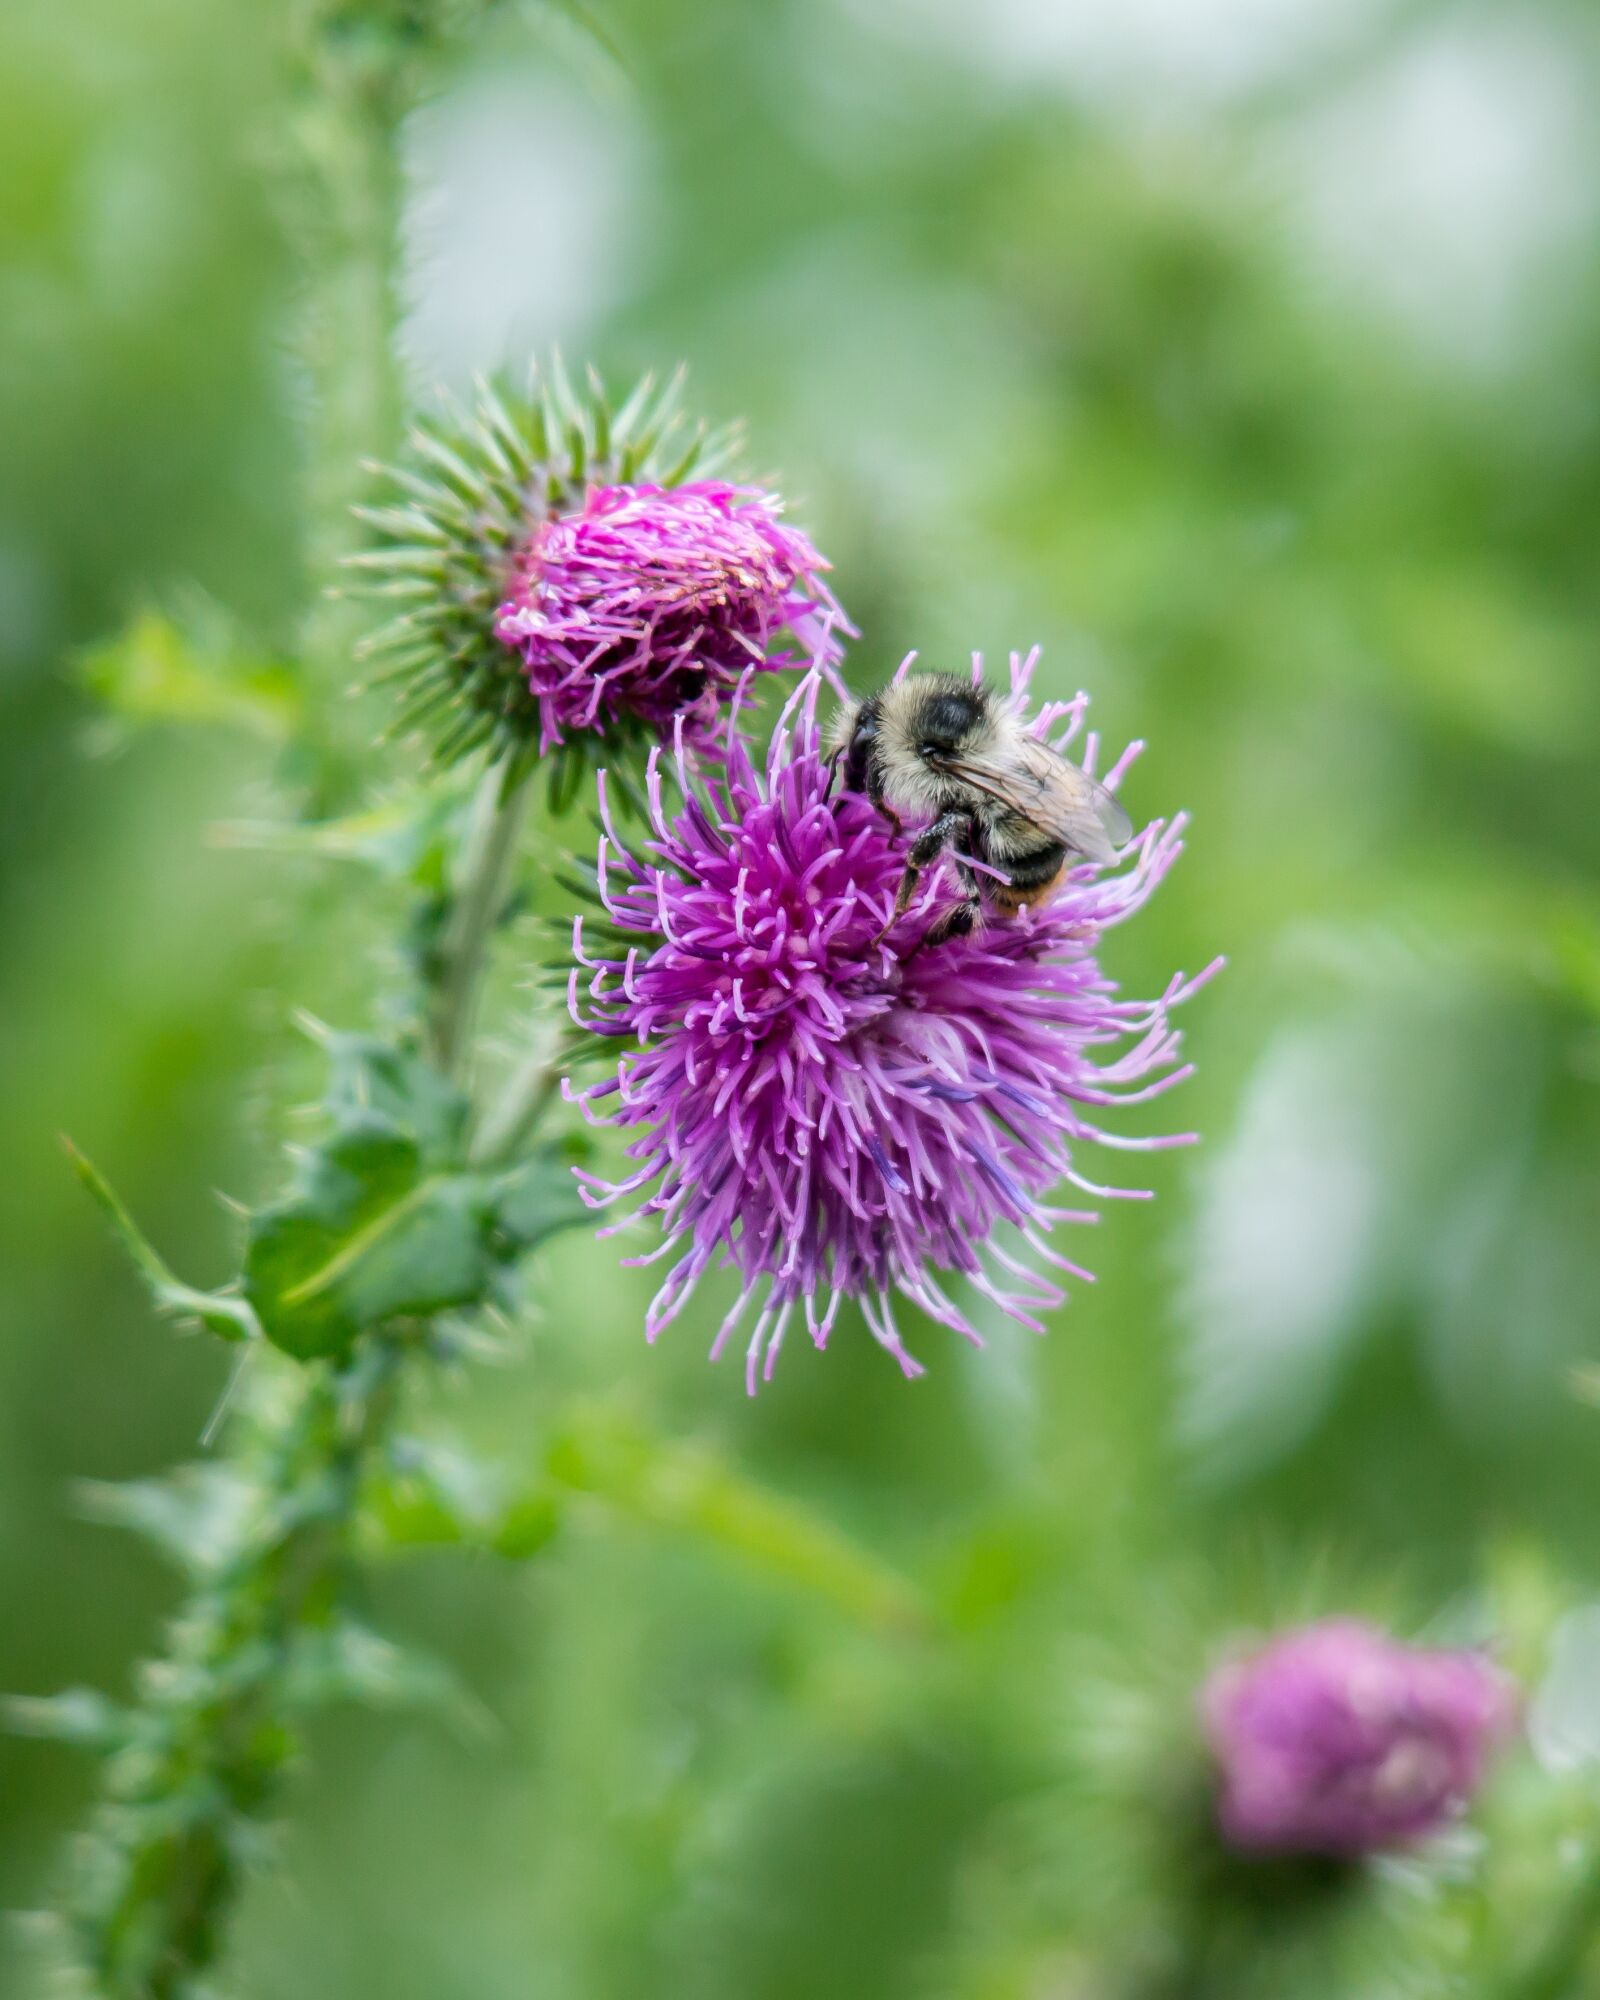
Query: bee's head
{"type": "Point", "coordinates": [946, 716]}
{"type": "Point", "coordinates": [895, 743]}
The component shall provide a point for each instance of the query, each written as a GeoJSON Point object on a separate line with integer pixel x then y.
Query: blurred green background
{"type": "Point", "coordinates": [1245, 356]}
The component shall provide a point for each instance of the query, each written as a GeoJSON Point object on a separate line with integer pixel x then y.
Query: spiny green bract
{"type": "Point", "coordinates": [473, 485]}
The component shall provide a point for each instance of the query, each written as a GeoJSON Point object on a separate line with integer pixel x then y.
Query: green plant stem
{"type": "Point", "coordinates": [212, 1732]}
{"type": "Point", "coordinates": [511, 1119]}
{"type": "Point", "coordinates": [212, 1728]}
{"type": "Point", "coordinates": [476, 906]}
{"type": "Point", "coordinates": [346, 210]}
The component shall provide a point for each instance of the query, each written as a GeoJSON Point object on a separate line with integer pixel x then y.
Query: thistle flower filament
{"type": "Point", "coordinates": [653, 603]}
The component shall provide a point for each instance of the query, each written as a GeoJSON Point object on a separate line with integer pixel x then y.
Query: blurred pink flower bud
{"type": "Point", "coordinates": [1338, 1739]}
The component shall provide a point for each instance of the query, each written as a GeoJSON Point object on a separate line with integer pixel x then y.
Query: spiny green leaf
{"type": "Point", "coordinates": [193, 1515]}
{"type": "Point", "coordinates": [368, 1235]}
{"type": "Point", "coordinates": [76, 1715]}
{"type": "Point", "coordinates": [232, 1318]}
{"type": "Point", "coordinates": [161, 668]}
{"type": "Point", "coordinates": [537, 1199]}
{"type": "Point", "coordinates": [347, 1661]}
{"type": "Point", "coordinates": [386, 1219]}
{"type": "Point", "coordinates": [369, 1074]}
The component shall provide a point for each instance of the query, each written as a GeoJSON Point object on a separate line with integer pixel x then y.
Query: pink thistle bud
{"type": "Point", "coordinates": [567, 577]}
{"type": "Point", "coordinates": [652, 602]}
{"type": "Point", "coordinates": [1337, 1739]}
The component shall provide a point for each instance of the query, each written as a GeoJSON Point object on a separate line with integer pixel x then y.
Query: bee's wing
{"type": "Point", "coordinates": [1053, 795]}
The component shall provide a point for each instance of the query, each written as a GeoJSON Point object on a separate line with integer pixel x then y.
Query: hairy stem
{"type": "Point", "coordinates": [346, 209]}
{"type": "Point", "coordinates": [509, 1121]}
{"type": "Point", "coordinates": [487, 854]}
{"type": "Point", "coordinates": [212, 1729]}
{"type": "Point", "coordinates": [212, 1732]}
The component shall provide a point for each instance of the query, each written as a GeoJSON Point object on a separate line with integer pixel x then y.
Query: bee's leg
{"type": "Point", "coordinates": [961, 918]}
{"type": "Point", "coordinates": [880, 803]}
{"type": "Point", "coordinates": [957, 921]}
{"type": "Point", "coordinates": [834, 758]}
{"type": "Point", "coordinates": [925, 849]}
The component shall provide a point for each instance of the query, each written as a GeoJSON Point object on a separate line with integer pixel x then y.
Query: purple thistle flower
{"type": "Point", "coordinates": [1337, 1739]}
{"type": "Point", "coordinates": [825, 1108]}
{"type": "Point", "coordinates": [560, 571]}
{"type": "Point", "coordinates": [654, 601]}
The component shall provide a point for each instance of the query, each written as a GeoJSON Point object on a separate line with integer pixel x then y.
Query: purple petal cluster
{"type": "Point", "coordinates": [1338, 1739]}
{"type": "Point", "coordinates": [653, 602]}
{"type": "Point", "coordinates": [822, 1106]}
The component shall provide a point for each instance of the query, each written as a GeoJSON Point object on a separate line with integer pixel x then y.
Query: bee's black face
{"type": "Point", "coordinates": [946, 719]}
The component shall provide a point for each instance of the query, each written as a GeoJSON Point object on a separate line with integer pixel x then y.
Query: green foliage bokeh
{"type": "Point", "coordinates": [1039, 363]}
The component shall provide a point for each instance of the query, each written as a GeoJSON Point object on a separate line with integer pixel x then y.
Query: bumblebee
{"type": "Point", "coordinates": [943, 748]}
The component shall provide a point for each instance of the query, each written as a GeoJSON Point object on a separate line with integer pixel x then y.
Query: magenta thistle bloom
{"type": "Point", "coordinates": [559, 571]}
{"type": "Point", "coordinates": [825, 1108]}
{"type": "Point", "coordinates": [1337, 1739]}
{"type": "Point", "coordinates": [654, 601]}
